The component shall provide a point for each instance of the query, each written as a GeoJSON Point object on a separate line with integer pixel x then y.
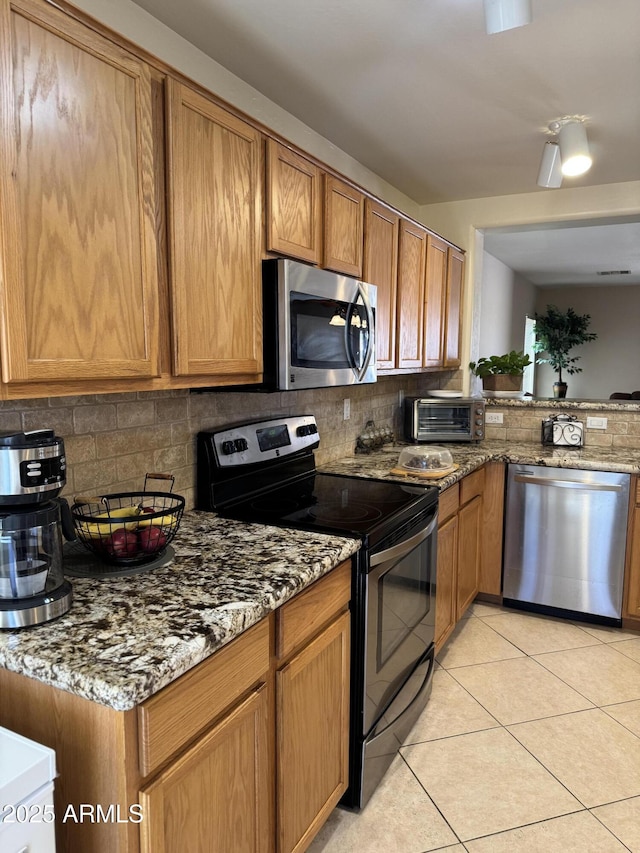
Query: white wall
{"type": "Point", "coordinates": [501, 304]}
{"type": "Point", "coordinates": [611, 362]}
{"type": "Point", "coordinates": [505, 300]}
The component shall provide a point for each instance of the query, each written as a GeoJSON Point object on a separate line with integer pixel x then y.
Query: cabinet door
{"type": "Point", "coordinates": [294, 200]}
{"type": "Point", "coordinates": [343, 227]}
{"type": "Point", "coordinates": [446, 580]}
{"type": "Point", "coordinates": [380, 267]}
{"type": "Point", "coordinates": [492, 528]}
{"type": "Point", "coordinates": [469, 521]}
{"type": "Point", "coordinates": [215, 201]}
{"type": "Point", "coordinates": [453, 308]}
{"type": "Point", "coordinates": [411, 272]}
{"type": "Point", "coordinates": [216, 795]}
{"type": "Point", "coordinates": [77, 222]}
{"type": "Point", "coordinates": [312, 695]}
{"type": "Point", "coordinates": [435, 298]}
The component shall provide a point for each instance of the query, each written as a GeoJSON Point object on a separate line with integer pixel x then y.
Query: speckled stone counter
{"type": "Point", "coordinates": [471, 456]}
{"type": "Point", "coordinates": [125, 638]}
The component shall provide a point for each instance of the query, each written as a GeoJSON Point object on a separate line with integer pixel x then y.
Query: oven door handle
{"type": "Point", "coordinates": [406, 546]}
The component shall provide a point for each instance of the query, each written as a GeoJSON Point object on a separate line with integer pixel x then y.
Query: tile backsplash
{"type": "Point", "coordinates": [113, 440]}
{"type": "Point", "coordinates": [524, 424]}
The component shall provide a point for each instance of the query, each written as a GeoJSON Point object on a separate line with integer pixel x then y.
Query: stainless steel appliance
{"type": "Point", "coordinates": [319, 327]}
{"type": "Point", "coordinates": [565, 533]}
{"type": "Point", "coordinates": [265, 472]}
{"type": "Point", "coordinates": [32, 473]}
{"type": "Point", "coordinates": [431, 419]}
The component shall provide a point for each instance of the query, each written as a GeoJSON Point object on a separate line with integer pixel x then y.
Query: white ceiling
{"type": "Point", "coordinates": [571, 253]}
{"type": "Point", "coordinates": [418, 92]}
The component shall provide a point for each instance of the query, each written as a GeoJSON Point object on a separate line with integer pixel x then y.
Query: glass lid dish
{"type": "Point", "coordinates": [429, 458]}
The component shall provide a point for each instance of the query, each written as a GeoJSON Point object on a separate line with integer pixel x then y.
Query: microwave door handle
{"type": "Point", "coordinates": [360, 369]}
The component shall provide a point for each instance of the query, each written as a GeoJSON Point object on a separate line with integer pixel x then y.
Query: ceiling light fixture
{"type": "Point", "coordinates": [550, 174]}
{"type": "Point", "coordinates": [500, 15]}
{"type": "Point", "coordinates": [574, 148]}
{"type": "Point", "coordinates": [567, 154]}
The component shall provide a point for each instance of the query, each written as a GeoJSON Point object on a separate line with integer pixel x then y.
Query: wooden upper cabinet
{"type": "Point", "coordinates": [343, 227]}
{"type": "Point", "coordinates": [294, 204]}
{"type": "Point", "coordinates": [453, 308]}
{"type": "Point", "coordinates": [78, 254]}
{"type": "Point", "coordinates": [411, 281]}
{"type": "Point", "coordinates": [215, 205]}
{"type": "Point", "coordinates": [380, 267]}
{"type": "Point", "coordinates": [435, 299]}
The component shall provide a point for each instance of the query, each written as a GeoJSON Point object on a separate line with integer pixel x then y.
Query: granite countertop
{"type": "Point", "coordinates": [125, 638]}
{"type": "Point", "coordinates": [469, 456]}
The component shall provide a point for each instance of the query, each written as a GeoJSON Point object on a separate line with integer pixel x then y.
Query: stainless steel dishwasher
{"type": "Point", "coordinates": [565, 536]}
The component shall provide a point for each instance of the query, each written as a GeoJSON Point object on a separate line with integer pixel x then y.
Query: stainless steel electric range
{"type": "Point", "coordinates": [265, 472]}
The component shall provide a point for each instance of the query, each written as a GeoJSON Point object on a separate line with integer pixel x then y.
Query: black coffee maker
{"type": "Point", "coordinates": [32, 520]}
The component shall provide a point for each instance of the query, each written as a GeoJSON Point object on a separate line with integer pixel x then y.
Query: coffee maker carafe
{"type": "Point", "coordinates": [32, 519]}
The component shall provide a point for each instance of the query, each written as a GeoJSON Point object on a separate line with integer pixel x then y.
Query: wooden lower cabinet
{"type": "Point", "coordinates": [445, 580]}
{"type": "Point", "coordinates": [312, 710]}
{"type": "Point", "coordinates": [468, 575]}
{"type": "Point", "coordinates": [631, 603]}
{"type": "Point", "coordinates": [245, 753]}
{"type": "Point", "coordinates": [459, 552]}
{"type": "Point", "coordinates": [216, 796]}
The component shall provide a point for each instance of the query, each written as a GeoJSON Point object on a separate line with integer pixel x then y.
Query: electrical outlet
{"type": "Point", "coordinates": [493, 417]}
{"type": "Point", "coordinates": [347, 409]}
{"type": "Point", "coordinates": [596, 423]}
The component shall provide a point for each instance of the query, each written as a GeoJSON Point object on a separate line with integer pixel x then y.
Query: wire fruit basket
{"type": "Point", "coordinates": [128, 528]}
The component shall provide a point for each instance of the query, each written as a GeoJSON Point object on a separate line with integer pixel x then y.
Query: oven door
{"type": "Point", "coordinates": [400, 623]}
{"type": "Point", "coordinates": [327, 328]}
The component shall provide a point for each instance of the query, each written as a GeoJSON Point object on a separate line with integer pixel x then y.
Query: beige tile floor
{"type": "Point", "coordinates": [530, 743]}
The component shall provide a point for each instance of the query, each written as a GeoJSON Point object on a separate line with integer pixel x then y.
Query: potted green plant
{"type": "Point", "coordinates": [501, 372]}
{"type": "Point", "coordinates": [557, 333]}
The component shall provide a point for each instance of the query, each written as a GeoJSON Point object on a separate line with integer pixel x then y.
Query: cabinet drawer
{"type": "Point", "coordinates": [471, 486]}
{"type": "Point", "coordinates": [299, 619]}
{"type": "Point", "coordinates": [448, 502]}
{"type": "Point", "coordinates": [200, 695]}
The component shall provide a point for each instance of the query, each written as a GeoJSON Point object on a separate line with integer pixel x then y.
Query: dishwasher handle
{"type": "Point", "coordinates": [566, 484]}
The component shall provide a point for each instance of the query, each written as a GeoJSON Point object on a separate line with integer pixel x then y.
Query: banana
{"type": "Point", "coordinates": [100, 530]}
{"type": "Point", "coordinates": [121, 512]}
{"type": "Point", "coordinates": [162, 521]}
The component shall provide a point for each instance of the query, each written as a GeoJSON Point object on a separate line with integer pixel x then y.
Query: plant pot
{"type": "Point", "coordinates": [559, 389]}
{"type": "Point", "coordinates": [502, 382]}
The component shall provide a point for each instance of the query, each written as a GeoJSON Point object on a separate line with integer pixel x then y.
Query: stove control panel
{"type": "Point", "coordinates": [246, 444]}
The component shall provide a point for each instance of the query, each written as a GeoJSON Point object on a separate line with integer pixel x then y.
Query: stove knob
{"type": "Point", "coordinates": [479, 432]}
{"type": "Point", "coordinates": [479, 422]}
{"type": "Point", "coordinates": [240, 444]}
{"type": "Point", "coordinates": [228, 448]}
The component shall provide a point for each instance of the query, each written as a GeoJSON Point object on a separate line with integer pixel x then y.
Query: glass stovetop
{"type": "Point", "coordinates": [334, 503]}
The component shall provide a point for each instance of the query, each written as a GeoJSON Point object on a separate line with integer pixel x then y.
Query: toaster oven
{"type": "Point", "coordinates": [430, 419]}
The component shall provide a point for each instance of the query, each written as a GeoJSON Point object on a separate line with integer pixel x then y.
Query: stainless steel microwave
{"type": "Point", "coordinates": [319, 327]}
{"type": "Point", "coordinates": [452, 419]}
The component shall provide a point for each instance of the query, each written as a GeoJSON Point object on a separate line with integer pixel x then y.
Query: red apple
{"type": "Point", "coordinates": [151, 539]}
{"type": "Point", "coordinates": [122, 543]}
